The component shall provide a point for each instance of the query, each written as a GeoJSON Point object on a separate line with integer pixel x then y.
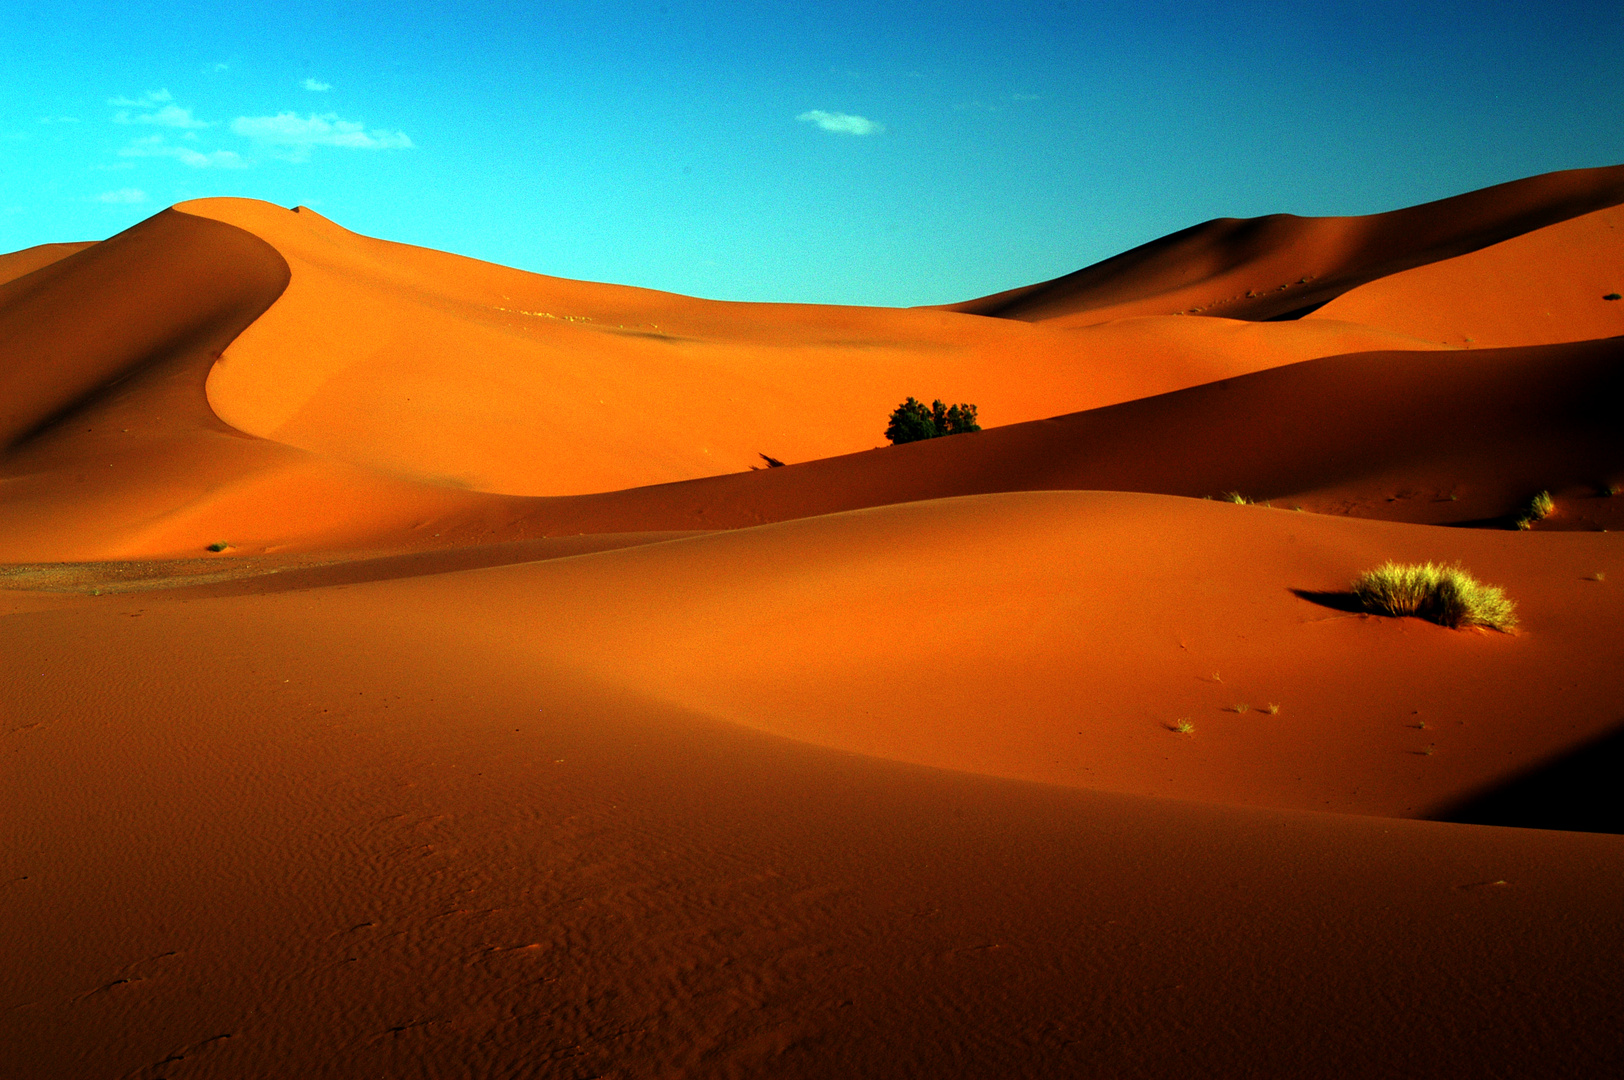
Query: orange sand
{"type": "Point", "coordinates": [521, 729]}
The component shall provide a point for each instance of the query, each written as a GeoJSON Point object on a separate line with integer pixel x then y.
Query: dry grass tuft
{"type": "Point", "coordinates": [1539, 508]}
{"type": "Point", "coordinates": [1446, 595]}
{"type": "Point", "coordinates": [1237, 498]}
{"type": "Point", "coordinates": [1272, 709]}
{"type": "Point", "coordinates": [1183, 727]}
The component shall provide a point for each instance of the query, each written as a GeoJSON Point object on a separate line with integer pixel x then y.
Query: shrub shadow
{"type": "Point", "coordinates": [1577, 792]}
{"type": "Point", "coordinates": [1341, 600]}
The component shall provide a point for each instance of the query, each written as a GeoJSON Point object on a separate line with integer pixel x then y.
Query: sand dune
{"type": "Point", "coordinates": [1274, 267]}
{"type": "Point", "coordinates": [522, 728]}
{"type": "Point", "coordinates": [1542, 287]}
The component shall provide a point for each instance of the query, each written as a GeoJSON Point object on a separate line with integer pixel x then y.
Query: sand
{"type": "Point", "coordinates": [520, 727]}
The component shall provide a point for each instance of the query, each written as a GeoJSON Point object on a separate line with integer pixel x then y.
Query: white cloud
{"type": "Point", "coordinates": [296, 134]}
{"type": "Point", "coordinates": [842, 122]}
{"type": "Point", "coordinates": [149, 100]}
{"type": "Point", "coordinates": [122, 197]}
{"type": "Point", "coordinates": [154, 146]}
{"type": "Point", "coordinates": [313, 84]}
{"type": "Point", "coordinates": [170, 116]}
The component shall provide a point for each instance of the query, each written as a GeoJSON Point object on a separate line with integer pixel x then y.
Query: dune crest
{"type": "Point", "coordinates": [1277, 266]}
{"type": "Point", "coordinates": [1542, 287]}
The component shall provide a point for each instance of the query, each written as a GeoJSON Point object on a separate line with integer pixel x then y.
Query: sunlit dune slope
{"type": "Point", "coordinates": [1055, 636]}
{"type": "Point", "coordinates": [452, 371]}
{"type": "Point", "coordinates": [1271, 267]}
{"type": "Point", "coordinates": [1442, 437]}
{"type": "Point", "coordinates": [1544, 286]}
{"type": "Point", "coordinates": [295, 838]}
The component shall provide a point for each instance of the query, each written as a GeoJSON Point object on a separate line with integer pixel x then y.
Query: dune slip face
{"type": "Point", "coordinates": [415, 667]}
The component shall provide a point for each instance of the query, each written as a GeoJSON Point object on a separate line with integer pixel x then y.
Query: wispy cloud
{"type": "Point", "coordinates": [126, 196]}
{"type": "Point", "coordinates": [215, 68]}
{"type": "Point", "coordinates": [295, 135]}
{"type": "Point", "coordinates": [316, 85]}
{"type": "Point", "coordinates": [155, 147]}
{"type": "Point", "coordinates": [156, 107]}
{"type": "Point", "coordinates": [149, 100]}
{"type": "Point", "coordinates": [170, 116]}
{"type": "Point", "coordinates": [842, 123]}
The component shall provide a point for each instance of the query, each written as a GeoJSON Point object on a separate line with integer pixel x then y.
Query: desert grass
{"type": "Point", "coordinates": [1237, 498]}
{"type": "Point", "coordinates": [1272, 709]}
{"type": "Point", "coordinates": [1539, 508]}
{"type": "Point", "coordinates": [1446, 595]}
{"type": "Point", "coordinates": [1240, 707]}
{"type": "Point", "coordinates": [1182, 727]}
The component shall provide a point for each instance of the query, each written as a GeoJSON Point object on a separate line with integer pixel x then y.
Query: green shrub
{"type": "Point", "coordinates": [912, 421]}
{"type": "Point", "coordinates": [1539, 508]}
{"type": "Point", "coordinates": [1446, 595]}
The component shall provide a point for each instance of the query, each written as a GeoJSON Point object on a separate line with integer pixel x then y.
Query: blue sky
{"type": "Point", "coordinates": [892, 154]}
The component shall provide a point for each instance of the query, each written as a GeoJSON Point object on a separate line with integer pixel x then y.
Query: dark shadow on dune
{"type": "Point", "coordinates": [1338, 601]}
{"type": "Point", "coordinates": [1297, 313]}
{"type": "Point", "coordinates": [1504, 521]}
{"type": "Point", "coordinates": [1578, 792]}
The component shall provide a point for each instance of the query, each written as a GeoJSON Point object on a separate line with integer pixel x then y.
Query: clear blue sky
{"type": "Point", "coordinates": [893, 153]}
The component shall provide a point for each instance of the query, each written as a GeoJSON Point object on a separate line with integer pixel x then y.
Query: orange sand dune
{"type": "Point", "coordinates": [980, 634]}
{"type": "Point", "coordinates": [1438, 437]}
{"type": "Point", "coordinates": [1272, 267]}
{"type": "Point", "coordinates": [521, 730]}
{"type": "Point", "coordinates": [1545, 286]}
{"type": "Point", "coordinates": [15, 264]}
{"type": "Point", "coordinates": [431, 366]}
{"type": "Point", "coordinates": [468, 825]}
{"type": "Point", "coordinates": [111, 448]}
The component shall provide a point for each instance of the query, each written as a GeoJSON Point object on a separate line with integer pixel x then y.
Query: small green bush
{"type": "Point", "coordinates": [1446, 595]}
{"type": "Point", "coordinates": [1539, 508]}
{"type": "Point", "coordinates": [913, 420]}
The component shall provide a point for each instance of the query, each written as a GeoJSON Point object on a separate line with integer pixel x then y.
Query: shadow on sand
{"type": "Point", "coordinates": [1578, 792]}
{"type": "Point", "coordinates": [1340, 600]}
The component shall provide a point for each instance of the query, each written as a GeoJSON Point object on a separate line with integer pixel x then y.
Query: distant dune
{"type": "Point", "coordinates": [1282, 266]}
{"type": "Point", "coordinates": [413, 667]}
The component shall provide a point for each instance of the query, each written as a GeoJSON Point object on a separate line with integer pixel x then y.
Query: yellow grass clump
{"type": "Point", "coordinates": [1446, 595]}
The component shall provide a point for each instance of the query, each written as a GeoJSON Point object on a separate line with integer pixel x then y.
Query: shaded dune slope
{"type": "Point", "coordinates": [1272, 267]}
{"type": "Point", "coordinates": [15, 264]}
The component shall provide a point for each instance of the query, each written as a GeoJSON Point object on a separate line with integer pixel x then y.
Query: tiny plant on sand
{"type": "Point", "coordinates": [1183, 727]}
{"type": "Point", "coordinates": [1272, 709]}
{"type": "Point", "coordinates": [1446, 595]}
{"type": "Point", "coordinates": [1539, 508]}
{"type": "Point", "coordinates": [1241, 707]}
{"type": "Point", "coordinates": [219, 545]}
{"type": "Point", "coordinates": [1237, 498]}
